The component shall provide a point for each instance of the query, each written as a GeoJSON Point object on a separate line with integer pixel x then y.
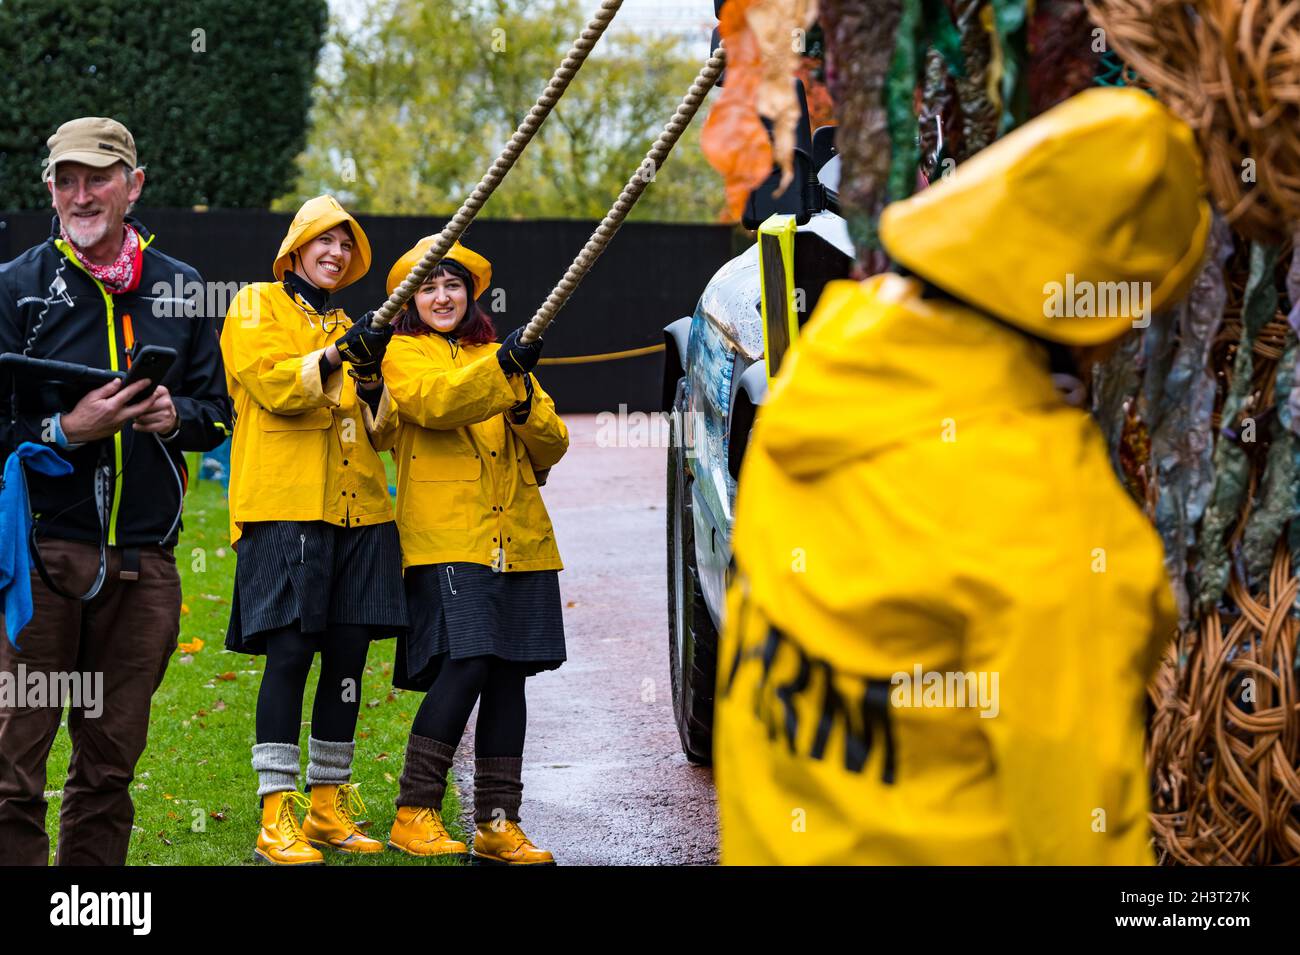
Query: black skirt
{"type": "Point", "coordinates": [314, 574]}
{"type": "Point", "coordinates": [463, 610]}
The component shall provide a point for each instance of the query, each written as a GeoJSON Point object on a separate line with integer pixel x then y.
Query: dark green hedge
{"type": "Point", "coordinates": [220, 127]}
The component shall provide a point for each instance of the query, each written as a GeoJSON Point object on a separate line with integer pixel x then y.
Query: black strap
{"type": "Point", "coordinates": [103, 479]}
{"type": "Point", "coordinates": [130, 564]}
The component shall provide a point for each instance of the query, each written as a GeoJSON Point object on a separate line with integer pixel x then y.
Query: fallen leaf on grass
{"type": "Point", "coordinates": [219, 816]}
{"type": "Point", "coordinates": [388, 778]}
{"type": "Point", "coordinates": [185, 608]}
{"type": "Point", "coordinates": [228, 675]}
{"type": "Point", "coordinates": [191, 646]}
{"type": "Point", "coordinates": [163, 837]}
{"type": "Point", "coordinates": [218, 706]}
{"type": "Point", "coordinates": [381, 757]}
{"type": "Point", "coordinates": [371, 704]}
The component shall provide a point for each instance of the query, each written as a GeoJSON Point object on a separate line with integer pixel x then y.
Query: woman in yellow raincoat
{"type": "Point", "coordinates": [319, 560]}
{"type": "Point", "coordinates": [945, 660]}
{"type": "Point", "coordinates": [481, 563]}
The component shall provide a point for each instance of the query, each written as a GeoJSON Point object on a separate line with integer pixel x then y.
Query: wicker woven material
{"type": "Point", "coordinates": [1231, 69]}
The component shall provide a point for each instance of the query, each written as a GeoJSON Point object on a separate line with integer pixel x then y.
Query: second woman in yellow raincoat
{"type": "Point", "coordinates": [481, 563]}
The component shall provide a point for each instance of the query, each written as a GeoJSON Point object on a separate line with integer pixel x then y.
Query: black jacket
{"type": "Point", "coordinates": [51, 308]}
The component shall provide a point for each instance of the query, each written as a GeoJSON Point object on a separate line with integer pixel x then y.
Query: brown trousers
{"type": "Point", "coordinates": [127, 633]}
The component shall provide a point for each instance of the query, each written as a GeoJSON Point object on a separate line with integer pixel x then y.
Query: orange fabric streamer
{"type": "Point", "coordinates": [763, 40]}
{"type": "Point", "coordinates": [733, 138]}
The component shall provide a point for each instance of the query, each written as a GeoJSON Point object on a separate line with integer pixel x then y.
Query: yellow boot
{"type": "Point", "coordinates": [504, 843]}
{"type": "Point", "coordinates": [281, 841]}
{"type": "Point", "coordinates": [331, 823]}
{"type": "Point", "coordinates": [418, 831]}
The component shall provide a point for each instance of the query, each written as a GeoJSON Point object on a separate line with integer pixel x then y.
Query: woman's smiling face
{"type": "Point", "coordinates": [325, 259]}
{"type": "Point", "coordinates": [442, 301]}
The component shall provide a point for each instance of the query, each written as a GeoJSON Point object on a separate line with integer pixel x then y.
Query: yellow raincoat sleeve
{"type": "Point", "coordinates": [1069, 752]}
{"type": "Point", "coordinates": [434, 396]}
{"type": "Point", "coordinates": [382, 425]}
{"type": "Point", "coordinates": [543, 433]}
{"type": "Point", "coordinates": [260, 356]}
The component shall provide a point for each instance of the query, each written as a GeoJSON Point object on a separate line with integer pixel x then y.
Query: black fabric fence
{"type": "Point", "coordinates": [651, 275]}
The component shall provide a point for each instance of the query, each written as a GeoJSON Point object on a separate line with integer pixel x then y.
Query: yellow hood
{"type": "Point", "coordinates": [479, 268]}
{"type": "Point", "coordinates": [880, 366]}
{"type": "Point", "coordinates": [1081, 222]}
{"type": "Point", "coordinates": [316, 216]}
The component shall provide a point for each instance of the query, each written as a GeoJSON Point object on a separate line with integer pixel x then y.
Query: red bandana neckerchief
{"type": "Point", "coordinates": [123, 273]}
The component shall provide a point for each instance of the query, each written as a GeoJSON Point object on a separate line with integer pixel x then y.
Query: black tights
{"type": "Point", "coordinates": [289, 654]}
{"type": "Point", "coordinates": [497, 685]}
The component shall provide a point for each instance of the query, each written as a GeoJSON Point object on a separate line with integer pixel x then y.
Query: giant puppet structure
{"type": "Point", "coordinates": [1201, 408]}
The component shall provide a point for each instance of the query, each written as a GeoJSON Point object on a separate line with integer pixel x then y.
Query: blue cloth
{"type": "Point", "coordinates": [16, 529]}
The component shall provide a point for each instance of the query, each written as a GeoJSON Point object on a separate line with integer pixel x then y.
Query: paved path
{"type": "Point", "coordinates": [605, 781]}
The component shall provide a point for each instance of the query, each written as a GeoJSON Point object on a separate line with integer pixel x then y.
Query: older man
{"type": "Point", "coordinates": [106, 594]}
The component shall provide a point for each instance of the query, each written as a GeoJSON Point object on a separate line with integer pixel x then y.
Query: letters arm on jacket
{"type": "Point", "coordinates": [261, 356]}
{"type": "Point", "coordinates": [26, 426]}
{"type": "Point", "coordinates": [202, 402]}
{"type": "Point", "coordinates": [1072, 663]}
{"type": "Point", "coordinates": [434, 396]}
{"type": "Point", "coordinates": [543, 433]}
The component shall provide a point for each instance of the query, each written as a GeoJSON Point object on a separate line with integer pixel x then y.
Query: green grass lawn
{"type": "Point", "coordinates": [195, 792]}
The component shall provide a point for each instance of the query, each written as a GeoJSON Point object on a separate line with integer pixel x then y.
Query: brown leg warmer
{"type": "Point", "coordinates": [498, 788]}
{"type": "Point", "coordinates": [424, 777]}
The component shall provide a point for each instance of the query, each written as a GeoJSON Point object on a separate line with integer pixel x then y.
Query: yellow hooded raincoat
{"type": "Point", "coordinates": [944, 660]}
{"type": "Point", "coordinates": [466, 475]}
{"type": "Point", "coordinates": [302, 450]}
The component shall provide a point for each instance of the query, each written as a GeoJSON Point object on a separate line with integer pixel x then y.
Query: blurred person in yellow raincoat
{"type": "Point", "coordinates": [319, 568]}
{"type": "Point", "coordinates": [479, 553]}
{"type": "Point", "coordinates": [944, 660]}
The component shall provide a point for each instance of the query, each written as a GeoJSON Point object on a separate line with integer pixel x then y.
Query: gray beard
{"type": "Point", "coordinates": [85, 238]}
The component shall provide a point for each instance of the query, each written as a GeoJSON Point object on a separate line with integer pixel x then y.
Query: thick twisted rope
{"type": "Point", "coordinates": [560, 80]}
{"type": "Point", "coordinates": [654, 160]}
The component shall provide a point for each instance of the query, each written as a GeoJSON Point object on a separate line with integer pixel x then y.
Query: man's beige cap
{"type": "Point", "coordinates": [93, 140]}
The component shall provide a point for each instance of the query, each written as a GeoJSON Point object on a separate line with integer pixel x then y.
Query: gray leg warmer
{"type": "Point", "coordinates": [277, 766]}
{"type": "Point", "coordinates": [328, 763]}
{"type": "Point", "coordinates": [424, 776]}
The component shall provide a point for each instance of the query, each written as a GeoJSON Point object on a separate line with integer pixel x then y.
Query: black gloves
{"type": "Point", "coordinates": [517, 358]}
{"type": "Point", "coordinates": [362, 346]}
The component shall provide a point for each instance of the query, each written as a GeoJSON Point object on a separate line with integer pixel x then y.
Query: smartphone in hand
{"type": "Point", "coordinates": [152, 362]}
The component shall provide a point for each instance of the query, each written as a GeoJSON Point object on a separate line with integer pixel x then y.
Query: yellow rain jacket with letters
{"type": "Point", "coordinates": [466, 477]}
{"type": "Point", "coordinates": [944, 660]}
{"type": "Point", "coordinates": [302, 450]}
